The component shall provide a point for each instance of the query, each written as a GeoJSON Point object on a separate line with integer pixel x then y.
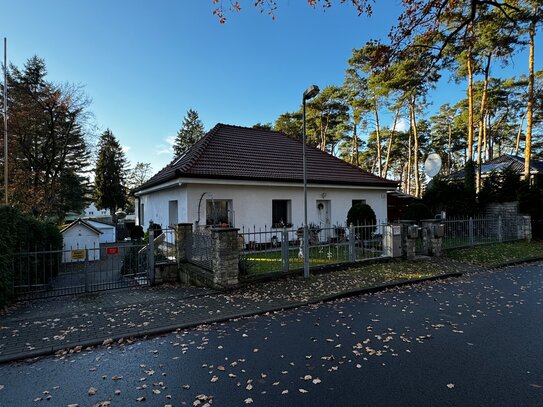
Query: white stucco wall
{"type": "Point", "coordinates": [156, 206]}
{"type": "Point", "coordinates": [252, 202]}
{"type": "Point", "coordinates": [80, 237]}
{"type": "Point", "coordinates": [252, 205]}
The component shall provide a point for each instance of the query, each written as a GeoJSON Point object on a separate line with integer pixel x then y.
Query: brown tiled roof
{"type": "Point", "coordinates": [242, 153]}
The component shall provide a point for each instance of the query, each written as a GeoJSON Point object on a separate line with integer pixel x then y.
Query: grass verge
{"type": "Point", "coordinates": [498, 254]}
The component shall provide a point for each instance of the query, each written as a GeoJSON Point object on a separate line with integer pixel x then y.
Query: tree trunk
{"type": "Point", "coordinates": [519, 132]}
{"type": "Point", "coordinates": [470, 105]}
{"type": "Point", "coordinates": [354, 148]}
{"type": "Point", "coordinates": [449, 149]}
{"type": "Point", "coordinates": [529, 110]}
{"type": "Point", "coordinates": [415, 147]}
{"type": "Point", "coordinates": [408, 171]}
{"type": "Point", "coordinates": [377, 139]}
{"type": "Point", "coordinates": [385, 169]}
{"type": "Point", "coordinates": [482, 123]}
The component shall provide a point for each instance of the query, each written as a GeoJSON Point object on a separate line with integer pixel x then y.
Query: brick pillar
{"type": "Point", "coordinates": [225, 256]}
{"type": "Point", "coordinates": [183, 232]}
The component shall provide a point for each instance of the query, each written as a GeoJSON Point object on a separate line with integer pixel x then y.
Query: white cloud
{"type": "Point", "coordinates": [165, 148]}
{"type": "Point", "coordinates": [402, 125]}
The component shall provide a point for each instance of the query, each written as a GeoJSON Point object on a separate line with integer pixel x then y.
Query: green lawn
{"type": "Point", "coordinates": [495, 254]}
{"type": "Point", "coordinates": [269, 261]}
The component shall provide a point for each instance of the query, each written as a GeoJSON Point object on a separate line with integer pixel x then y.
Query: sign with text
{"type": "Point", "coordinates": [112, 250]}
{"type": "Point", "coordinates": [78, 254]}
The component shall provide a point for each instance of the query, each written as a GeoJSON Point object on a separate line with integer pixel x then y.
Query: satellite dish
{"type": "Point", "coordinates": [432, 165]}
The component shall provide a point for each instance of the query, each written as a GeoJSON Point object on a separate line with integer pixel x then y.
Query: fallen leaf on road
{"type": "Point", "coordinates": [142, 398]}
{"type": "Point", "coordinates": [284, 392]}
{"type": "Point", "coordinates": [303, 391]}
{"type": "Point", "coordinates": [450, 385]}
{"type": "Point", "coordinates": [92, 391]}
{"type": "Point", "coordinates": [248, 400]}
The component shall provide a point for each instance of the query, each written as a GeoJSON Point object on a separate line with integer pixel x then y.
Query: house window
{"type": "Point", "coordinates": [218, 212]}
{"type": "Point", "coordinates": [281, 213]}
{"type": "Point", "coordinates": [358, 201]}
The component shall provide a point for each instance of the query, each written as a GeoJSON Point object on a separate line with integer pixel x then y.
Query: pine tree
{"type": "Point", "coordinates": [191, 131]}
{"type": "Point", "coordinates": [110, 184]}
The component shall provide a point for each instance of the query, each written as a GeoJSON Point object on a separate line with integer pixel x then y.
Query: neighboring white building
{"type": "Point", "coordinates": [81, 241]}
{"type": "Point", "coordinates": [246, 178]}
{"type": "Point", "coordinates": [109, 232]}
{"type": "Point", "coordinates": [92, 212]}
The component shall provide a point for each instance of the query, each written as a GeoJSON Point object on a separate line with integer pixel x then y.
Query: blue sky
{"type": "Point", "coordinates": [145, 63]}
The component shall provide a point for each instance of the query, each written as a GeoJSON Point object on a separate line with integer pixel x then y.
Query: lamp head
{"type": "Point", "coordinates": [311, 92]}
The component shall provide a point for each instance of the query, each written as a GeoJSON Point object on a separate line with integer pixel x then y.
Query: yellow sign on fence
{"type": "Point", "coordinates": [78, 254]}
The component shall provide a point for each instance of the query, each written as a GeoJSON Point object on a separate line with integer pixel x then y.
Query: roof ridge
{"type": "Point", "coordinates": [200, 148]}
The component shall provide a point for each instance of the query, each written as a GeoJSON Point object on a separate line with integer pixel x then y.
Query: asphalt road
{"type": "Point", "coordinates": [472, 341]}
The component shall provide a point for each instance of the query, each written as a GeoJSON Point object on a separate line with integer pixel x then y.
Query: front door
{"type": "Point", "coordinates": [324, 216]}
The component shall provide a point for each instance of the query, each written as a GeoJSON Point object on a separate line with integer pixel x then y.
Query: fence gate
{"type": "Point", "coordinates": [42, 274]}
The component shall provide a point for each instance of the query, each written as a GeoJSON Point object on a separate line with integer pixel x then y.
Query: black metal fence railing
{"type": "Point", "coordinates": [199, 248]}
{"type": "Point", "coordinates": [42, 274]}
{"type": "Point", "coordinates": [281, 250]}
{"type": "Point", "coordinates": [460, 232]}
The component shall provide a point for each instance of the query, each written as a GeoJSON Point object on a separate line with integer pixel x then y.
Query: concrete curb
{"type": "Point", "coordinates": [517, 262]}
{"type": "Point", "coordinates": [223, 318]}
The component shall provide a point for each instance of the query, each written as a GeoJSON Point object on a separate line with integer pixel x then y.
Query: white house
{"type": "Point", "coordinates": [92, 212]}
{"type": "Point", "coordinates": [246, 178]}
{"type": "Point", "coordinates": [81, 241]}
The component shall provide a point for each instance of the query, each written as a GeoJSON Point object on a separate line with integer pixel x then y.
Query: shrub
{"type": "Point", "coordinates": [362, 215]}
{"type": "Point", "coordinates": [22, 232]}
{"type": "Point", "coordinates": [417, 211]}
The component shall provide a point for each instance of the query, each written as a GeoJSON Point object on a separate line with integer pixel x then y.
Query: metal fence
{"type": "Point", "coordinates": [281, 250]}
{"type": "Point", "coordinates": [199, 248]}
{"type": "Point", "coordinates": [471, 231]}
{"type": "Point", "coordinates": [42, 274]}
{"type": "Point", "coordinates": [165, 246]}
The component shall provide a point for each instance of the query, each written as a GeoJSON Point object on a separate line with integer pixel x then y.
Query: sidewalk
{"type": "Point", "coordinates": [46, 326]}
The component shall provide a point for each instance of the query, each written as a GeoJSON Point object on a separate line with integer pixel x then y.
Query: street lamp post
{"type": "Point", "coordinates": [309, 93]}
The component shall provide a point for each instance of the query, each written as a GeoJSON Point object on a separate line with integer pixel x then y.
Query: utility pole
{"type": "Point", "coordinates": [6, 120]}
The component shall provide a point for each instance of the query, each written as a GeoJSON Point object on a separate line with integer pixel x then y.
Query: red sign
{"type": "Point", "coordinates": [112, 250]}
